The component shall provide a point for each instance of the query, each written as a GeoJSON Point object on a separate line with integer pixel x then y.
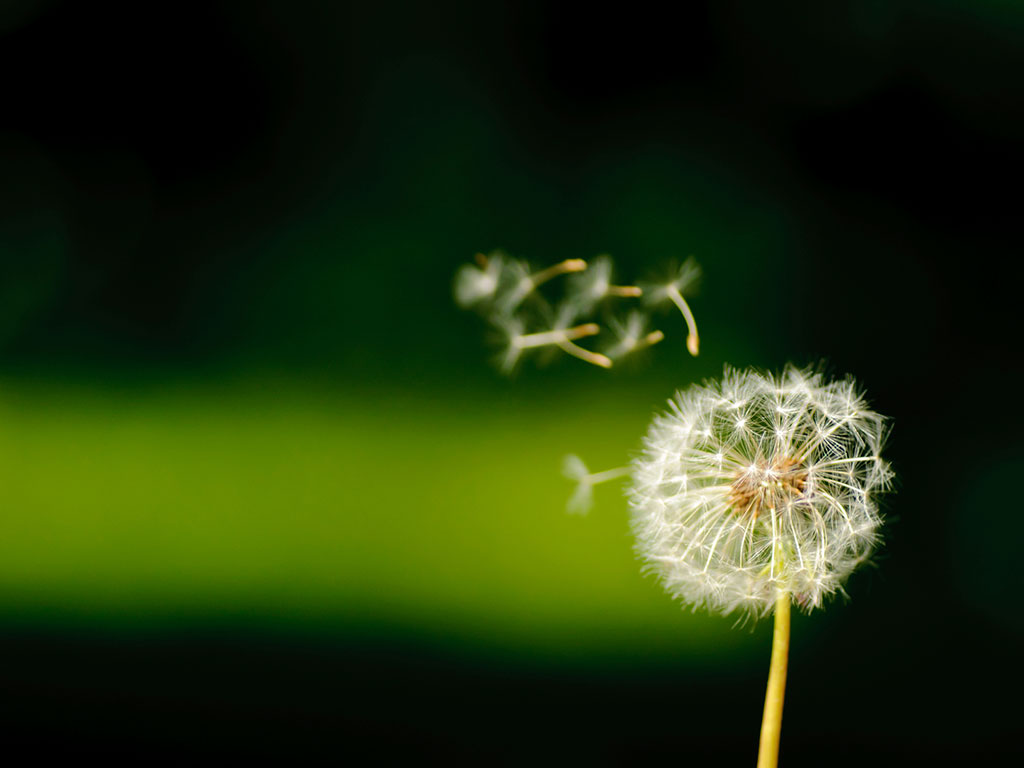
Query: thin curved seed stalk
{"type": "Point", "coordinates": [561, 268]}
{"type": "Point", "coordinates": [596, 358]}
{"type": "Point", "coordinates": [692, 339]}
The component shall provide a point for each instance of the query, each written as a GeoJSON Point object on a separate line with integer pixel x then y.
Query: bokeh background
{"type": "Point", "coordinates": [262, 493]}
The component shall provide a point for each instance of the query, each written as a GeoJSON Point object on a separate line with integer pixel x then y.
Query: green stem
{"type": "Point", "coordinates": [771, 724]}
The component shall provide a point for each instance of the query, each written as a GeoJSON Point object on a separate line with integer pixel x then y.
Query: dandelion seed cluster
{"type": "Point", "coordinates": [758, 485]}
{"type": "Point", "coordinates": [506, 292]}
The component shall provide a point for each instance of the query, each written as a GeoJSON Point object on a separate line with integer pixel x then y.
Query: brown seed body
{"type": "Point", "coordinates": [767, 484]}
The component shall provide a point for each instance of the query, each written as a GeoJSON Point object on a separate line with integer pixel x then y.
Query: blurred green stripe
{"type": "Point", "coordinates": [442, 514]}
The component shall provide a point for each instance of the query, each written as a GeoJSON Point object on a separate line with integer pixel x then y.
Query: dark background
{"type": "Point", "coordinates": [208, 191]}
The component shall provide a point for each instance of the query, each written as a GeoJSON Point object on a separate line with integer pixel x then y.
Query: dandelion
{"type": "Point", "coordinates": [760, 491]}
{"type": "Point", "coordinates": [751, 493]}
{"type": "Point", "coordinates": [682, 280]}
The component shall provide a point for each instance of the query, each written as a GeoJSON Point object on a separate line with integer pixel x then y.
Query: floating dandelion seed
{"type": "Point", "coordinates": [593, 286]}
{"type": "Point", "coordinates": [565, 318]}
{"type": "Point", "coordinates": [582, 498]}
{"type": "Point", "coordinates": [521, 283]}
{"type": "Point", "coordinates": [516, 341]}
{"type": "Point", "coordinates": [632, 335]}
{"type": "Point", "coordinates": [680, 282]}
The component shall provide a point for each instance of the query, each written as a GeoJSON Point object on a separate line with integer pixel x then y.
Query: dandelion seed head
{"type": "Point", "coordinates": [759, 484]}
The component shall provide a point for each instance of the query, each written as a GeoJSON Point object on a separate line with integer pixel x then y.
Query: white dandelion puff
{"type": "Point", "coordinates": [758, 487]}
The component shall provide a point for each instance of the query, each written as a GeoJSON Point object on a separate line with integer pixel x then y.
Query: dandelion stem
{"type": "Point", "coordinates": [771, 724]}
{"type": "Point", "coordinates": [624, 290]}
{"type": "Point", "coordinates": [692, 340]}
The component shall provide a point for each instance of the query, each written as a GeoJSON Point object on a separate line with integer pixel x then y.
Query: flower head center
{"type": "Point", "coordinates": [767, 483]}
